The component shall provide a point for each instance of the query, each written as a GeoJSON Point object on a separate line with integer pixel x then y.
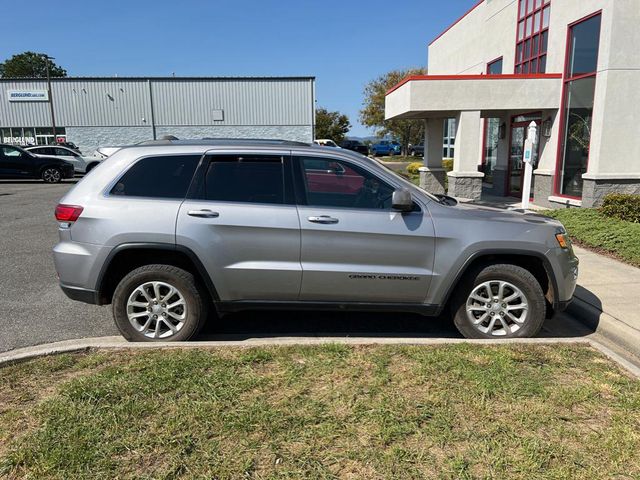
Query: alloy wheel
{"type": "Point", "coordinates": [51, 175]}
{"type": "Point", "coordinates": [158, 310]}
{"type": "Point", "coordinates": [497, 308]}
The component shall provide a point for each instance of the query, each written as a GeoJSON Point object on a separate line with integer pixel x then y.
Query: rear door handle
{"type": "Point", "coordinates": [204, 213]}
{"type": "Point", "coordinates": [325, 219]}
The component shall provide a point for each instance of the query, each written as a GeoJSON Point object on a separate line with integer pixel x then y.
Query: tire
{"type": "Point", "coordinates": [164, 277]}
{"type": "Point", "coordinates": [90, 167]}
{"type": "Point", "coordinates": [527, 292]}
{"type": "Point", "coordinates": [51, 175]}
{"type": "Point", "coordinates": [413, 153]}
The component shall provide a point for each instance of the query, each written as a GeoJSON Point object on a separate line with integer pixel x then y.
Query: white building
{"type": "Point", "coordinates": [571, 66]}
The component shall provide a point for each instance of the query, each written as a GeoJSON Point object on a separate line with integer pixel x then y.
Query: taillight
{"type": "Point", "coordinates": [68, 213]}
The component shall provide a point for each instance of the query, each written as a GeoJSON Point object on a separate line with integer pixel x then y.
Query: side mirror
{"type": "Point", "coordinates": [401, 200]}
{"type": "Point", "coordinates": [335, 167]}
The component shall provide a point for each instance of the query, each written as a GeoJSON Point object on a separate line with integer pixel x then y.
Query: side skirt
{"type": "Point", "coordinates": [241, 305]}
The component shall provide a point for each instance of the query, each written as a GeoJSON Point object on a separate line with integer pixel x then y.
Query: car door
{"type": "Point", "coordinates": [241, 220]}
{"type": "Point", "coordinates": [355, 247]}
{"type": "Point", "coordinates": [71, 157]}
{"type": "Point", "coordinates": [14, 163]}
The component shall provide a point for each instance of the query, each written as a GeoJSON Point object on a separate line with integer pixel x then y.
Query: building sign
{"type": "Point", "coordinates": [28, 95]}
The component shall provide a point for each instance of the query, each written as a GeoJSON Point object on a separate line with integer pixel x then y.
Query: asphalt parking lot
{"type": "Point", "coordinates": [33, 310]}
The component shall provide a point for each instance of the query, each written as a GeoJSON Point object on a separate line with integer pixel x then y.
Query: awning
{"type": "Point", "coordinates": [432, 96]}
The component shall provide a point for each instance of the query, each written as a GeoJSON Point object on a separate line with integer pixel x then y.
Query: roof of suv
{"type": "Point", "coordinates": [240, 142]}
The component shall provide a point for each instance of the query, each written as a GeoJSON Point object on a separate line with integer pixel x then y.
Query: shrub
{"type": "Point", "coordinates": [413, 167]}
{"type": "Point", "coordinates": [623, 206]}
{"type": "Point", "coordinates": [447, 164]}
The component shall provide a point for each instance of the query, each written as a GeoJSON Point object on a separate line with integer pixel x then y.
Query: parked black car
{"type": "Point", "coordinates": [417, 150]}
{"type": "Point", "coordinates": [18, 163]}
{"type": "Point", "coordinates": [356, 146]}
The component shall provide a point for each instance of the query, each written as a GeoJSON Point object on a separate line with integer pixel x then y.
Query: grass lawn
{"type": "Point", "coordinates": [591, 229]}
{"type": "Point", "coordinates": [457, 411]}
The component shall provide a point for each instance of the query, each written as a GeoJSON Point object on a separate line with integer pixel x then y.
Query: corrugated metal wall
{"type": "Point", "coordinates": [176, 101]}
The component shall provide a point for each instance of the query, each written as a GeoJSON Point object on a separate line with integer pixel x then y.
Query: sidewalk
{"type": "Point", "coordinates": [607, 299]}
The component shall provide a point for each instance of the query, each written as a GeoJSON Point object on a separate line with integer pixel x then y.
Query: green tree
{"type": "Point", "coordinates": [332, 125]}
{"type": "Point", "coordinates": [30, 64]}
{"type": "Point", "coordinates": [372, 114]}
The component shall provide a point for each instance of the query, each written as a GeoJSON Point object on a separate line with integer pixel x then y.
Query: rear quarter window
{"type": "Point", "coordinates": [158, 177]}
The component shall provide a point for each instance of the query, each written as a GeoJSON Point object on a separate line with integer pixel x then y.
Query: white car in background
{"type": "Point", "coordinates": [326, 142]}
{"type": "Point", "coordinates": [80, 164]}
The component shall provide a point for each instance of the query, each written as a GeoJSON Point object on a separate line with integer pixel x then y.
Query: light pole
{"type": "Point", "coordinates": [53, 116]}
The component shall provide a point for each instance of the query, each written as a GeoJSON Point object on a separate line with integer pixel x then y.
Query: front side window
{"type": "Point", "coordinates": [158, 177]}
{"type": "Point", "coordinates": [334, 183]}
{"type": "Point", "coordinates": [532, 36]}
{"type": "Point", "coordinates": [245, 179]}
{"type": "Point", "coordinates": [11, 152]}
{"type": "Point", "coordinates": [579, 93]}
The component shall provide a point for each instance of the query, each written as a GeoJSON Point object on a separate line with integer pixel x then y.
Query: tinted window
{"type": "Point", "coordinates": [159, 177]}
{"type": "Point", "coordinates": [249, 179]}
{"type": "Point", "coordinates": [585, 40]}
{"type": "Point", "coordinates": [334, 183]}
{"type": "Point", "coordinates": [62, 152]}
{"type": "Point", "coordinates": [495, 67]}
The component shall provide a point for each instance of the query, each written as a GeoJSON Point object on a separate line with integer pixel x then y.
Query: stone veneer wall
{"type": "Point", "coordinates": [465, 187]}
{"type": "Point", "coordinates": [594, 191]}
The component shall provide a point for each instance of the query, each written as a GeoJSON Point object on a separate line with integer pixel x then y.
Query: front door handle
{"type": "Point", "coordinates": [204, 213]}
{"type": "Point", "coordinates": [324, 219]}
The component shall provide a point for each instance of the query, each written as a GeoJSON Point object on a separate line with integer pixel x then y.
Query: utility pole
{"type": "Point", "coordinates": [53, 116]}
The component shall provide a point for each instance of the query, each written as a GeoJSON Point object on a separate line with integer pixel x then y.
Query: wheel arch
{"type": "Point", "coordinates": [535, 262]}
{"type": "Point", "coordinates": [129, 256]}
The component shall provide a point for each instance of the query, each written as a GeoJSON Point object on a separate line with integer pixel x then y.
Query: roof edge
{"type": "Point", "coordinates": [505, 76]}
{"type": "Point", "coordinates": [56, 79]}
{"type": "Point", "coordinates": [456, 22]}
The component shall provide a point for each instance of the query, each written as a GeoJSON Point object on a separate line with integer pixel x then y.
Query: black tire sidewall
{"type": "Point", "coordinates": [181, 279]}
{"type": "Point", "coordinates": [515, 275]}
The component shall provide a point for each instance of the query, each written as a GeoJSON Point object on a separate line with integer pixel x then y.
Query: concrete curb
{"type": "Point", "coordinates": [611, 328]}
{"type": "Point", "coordinates": [119, 343]}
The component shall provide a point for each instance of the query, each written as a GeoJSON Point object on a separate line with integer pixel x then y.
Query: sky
{"type": "Point", "coordinates": [344, 44]}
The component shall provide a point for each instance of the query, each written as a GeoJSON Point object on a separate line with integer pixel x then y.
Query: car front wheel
{"type": "Point", "coordinates": [159, 303]}
{"type": "Point", "coordinates": [501, 301]}
{"type": "Point", "coordinates": [51, 175]}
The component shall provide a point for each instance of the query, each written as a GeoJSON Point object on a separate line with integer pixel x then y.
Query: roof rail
{"type": "Point", "coordinates": [267, 141]}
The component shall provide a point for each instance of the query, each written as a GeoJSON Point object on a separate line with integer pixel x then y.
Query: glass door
{"type": "Point", "coordinates": [516, 157]}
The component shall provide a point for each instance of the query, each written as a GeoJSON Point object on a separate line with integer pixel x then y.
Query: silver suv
{"type": "Point", "coordinates": [179, 232]}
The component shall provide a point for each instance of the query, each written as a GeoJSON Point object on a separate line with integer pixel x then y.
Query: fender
{"type": "Point", "coordinates": [503, 251]}
{"type": "Point", "coordinates": [159, 246]}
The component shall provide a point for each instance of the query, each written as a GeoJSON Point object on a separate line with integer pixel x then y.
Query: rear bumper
{"type": "Point", "coordinates": [80, 294]}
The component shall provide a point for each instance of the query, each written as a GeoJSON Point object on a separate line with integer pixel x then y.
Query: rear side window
{"type": "Point", "coordinates": [246, 179]}
{"type": "Point", "coordinates": [158, 177]}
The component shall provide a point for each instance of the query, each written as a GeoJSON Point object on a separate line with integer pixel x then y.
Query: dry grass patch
{"type": "Point", "coordinates": [457, 411]}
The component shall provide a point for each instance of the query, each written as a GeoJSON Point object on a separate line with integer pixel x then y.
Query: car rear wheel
{"type": "Point", "coordinates": [51, 175]}
{"type": "Point", "coordinates": [159, 303]}
{"type": "Point", "coordinates": [501, 301]}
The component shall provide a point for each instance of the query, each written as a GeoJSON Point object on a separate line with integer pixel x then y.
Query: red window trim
{"type": "Point", "coordinates": [505, 76]}
{"type": "Point", "coordinates": [537, 31]}
{"type": "Point", "coordinates": [565, 83]}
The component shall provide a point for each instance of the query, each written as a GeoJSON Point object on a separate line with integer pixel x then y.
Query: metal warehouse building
{"type": "Point", "coordinates": [93, 112]}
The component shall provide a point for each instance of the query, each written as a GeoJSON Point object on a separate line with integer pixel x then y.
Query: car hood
{"type": "Point", "coordinates": [503, 214]}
